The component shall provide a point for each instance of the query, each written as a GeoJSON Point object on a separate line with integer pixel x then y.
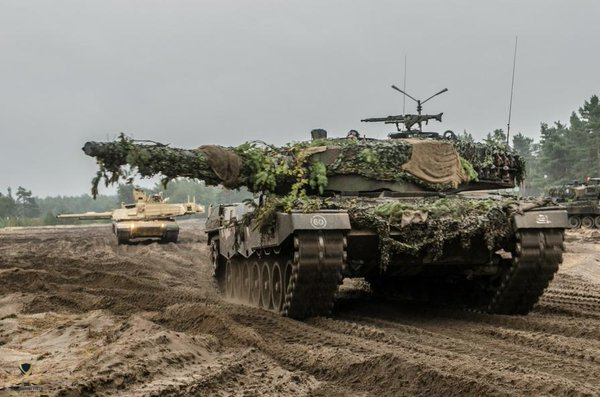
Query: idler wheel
{"type": "Point", "coordinates": [587, 222]}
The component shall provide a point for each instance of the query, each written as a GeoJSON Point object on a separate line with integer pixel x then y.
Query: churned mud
{"type": "Point", "coordinates": [148, 319]}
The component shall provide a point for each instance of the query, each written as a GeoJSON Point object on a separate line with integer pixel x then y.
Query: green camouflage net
{"type": "Point", "coordinates": [490, 161]}
{"type": "Point", "coordinates": [266, 168]}
{"type": "Point", "coordinates": [419, 227]}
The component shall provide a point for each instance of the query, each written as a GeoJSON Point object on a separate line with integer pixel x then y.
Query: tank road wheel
{"type": "Point", "coordinates": [587, 222]}
{"type": "Point", "coordinates": [277, 290]}
{"type": "Point", "coordinates": [265, 285]}
{"type": "Point", "coordinates": [244, 281]}
{"type": "Point", "coordinates": [229, 279]}
{"type": "Point", "coordinates": [296, 281]}
{"type": "Point", "coordinates": [597, 222]}
{"type": "Point", "coordinates": [254, 287]}
{"type": "Point", "coordinates": [238, 274]}
{"type": "Point", "coordinates": [574, 222]}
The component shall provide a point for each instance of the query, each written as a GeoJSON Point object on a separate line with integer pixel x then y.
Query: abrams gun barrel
{"type": "Point", "coordinates": [87, 216]}
{"type": "Point", "coordinates": [408, 120]}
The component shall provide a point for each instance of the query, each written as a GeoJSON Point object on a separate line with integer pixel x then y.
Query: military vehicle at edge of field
{"type": "Point", "coordinates": [582, 201]}
{"type": "Point", "coordinates": [148, 217]}
{"type": "Point", "coordinates": [399, 212]}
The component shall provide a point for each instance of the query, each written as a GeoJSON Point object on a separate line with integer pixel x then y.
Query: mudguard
{"type": "Point", "coordinates": [542, 218]}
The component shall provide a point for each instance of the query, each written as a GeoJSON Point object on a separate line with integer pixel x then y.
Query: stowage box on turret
{"type": "Point", "coordinates": [412, 215]}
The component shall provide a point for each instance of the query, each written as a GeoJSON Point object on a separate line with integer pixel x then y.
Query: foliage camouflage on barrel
{"type": "Point", "coordinates": [280, 170]}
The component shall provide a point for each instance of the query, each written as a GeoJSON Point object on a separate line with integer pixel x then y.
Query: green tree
{"type": "Point", "coordinates": [8, 206]}
{"type": "Point", "coordinates": [497, 137]}
{"type": "Point", "coordinates": [528, 150]}
{"type": "Point", "coordinates": [125, 193]}
{"type": "Point", "coordinates": [27, 205]}
{"type": "Point", "coordinates": [571, 152]}
{"type": "Point", "coordinates": [466, 137]}
{"type": "Point", "coordinates": [180, 190]}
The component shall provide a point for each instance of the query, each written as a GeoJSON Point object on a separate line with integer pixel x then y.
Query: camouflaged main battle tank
{"type": "Point", "coordinates": [413, 215]}
{"type": "Point", "coordinates": [582, 201]}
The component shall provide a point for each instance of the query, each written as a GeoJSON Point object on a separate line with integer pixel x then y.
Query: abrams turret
{"type": "Point", "coordinates": [148, 217]}
{"type": "Point", "coordinates": [413, 215]}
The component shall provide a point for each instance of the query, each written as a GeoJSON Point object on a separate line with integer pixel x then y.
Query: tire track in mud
{"type": "Point", "coordinates": [494, 346]}
{"type": "Point", "coordinates": [439, 355]}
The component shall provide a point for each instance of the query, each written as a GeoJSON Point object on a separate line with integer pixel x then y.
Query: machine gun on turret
{"type": "Point", "coordinates": [409, 120]}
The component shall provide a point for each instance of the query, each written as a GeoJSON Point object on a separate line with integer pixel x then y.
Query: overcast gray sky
{"type": "Point", "coordinates": [223, 72]}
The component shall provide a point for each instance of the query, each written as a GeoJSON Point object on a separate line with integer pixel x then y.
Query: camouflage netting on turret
{"type": "Point", "coordinates": [492, 161]}
{"type": "Point", "coordinates": [561, 193]}
{"type": "Point", "coordinates": [291, 168]}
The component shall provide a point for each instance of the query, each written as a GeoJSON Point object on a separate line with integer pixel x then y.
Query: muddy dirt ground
{"type": "Point", "coordinates": [147, 319]}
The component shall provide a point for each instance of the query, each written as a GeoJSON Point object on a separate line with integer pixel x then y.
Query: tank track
{"type": "Point", "coordinates": [170, 237]}
{"type": "Point", "coordinates": [536, 258]}
{"type": "Point", "coordinates": [298, 282]}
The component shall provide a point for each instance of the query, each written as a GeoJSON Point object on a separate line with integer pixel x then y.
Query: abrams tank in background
{"type": "Point", "coordinates": [411, 214]}
{"type": "Point", "coordinates": [582, 201]}
{"type": "Point", "coordinates": [148, 217]}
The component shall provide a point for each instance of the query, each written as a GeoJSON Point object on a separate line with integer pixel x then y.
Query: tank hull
{"type": "Point", "coordinates": [295, 269]}
{"type": "Point", "coordinates": [165, 230]}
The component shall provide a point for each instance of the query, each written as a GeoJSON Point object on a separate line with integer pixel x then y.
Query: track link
{"type": "Point", "coordinates": [299, 282]}
{"type": "Point", "coordinates": [538, 252]}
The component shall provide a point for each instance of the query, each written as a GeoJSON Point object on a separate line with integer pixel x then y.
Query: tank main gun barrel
{"type": "Point", "coordinates": [309, 168]}
{"type": "Point", "coordinates": [153, 159]}
{"type": "Point", "coordinates": [87, 216]}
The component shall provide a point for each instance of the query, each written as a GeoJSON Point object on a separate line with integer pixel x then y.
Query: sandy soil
{"type": "Point", "coordinates": [147, 319]}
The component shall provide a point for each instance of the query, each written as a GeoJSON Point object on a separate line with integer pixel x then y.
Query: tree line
{"type": "Point", "coordinates": [24, 209]}
{"type": "Point", "coordinates": [562, 154]}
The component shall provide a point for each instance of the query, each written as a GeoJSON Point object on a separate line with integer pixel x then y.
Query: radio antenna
{"type": "Point", "coordinates": [404, 89]}
{"type": "Point", "coordinates": [512, 85]}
